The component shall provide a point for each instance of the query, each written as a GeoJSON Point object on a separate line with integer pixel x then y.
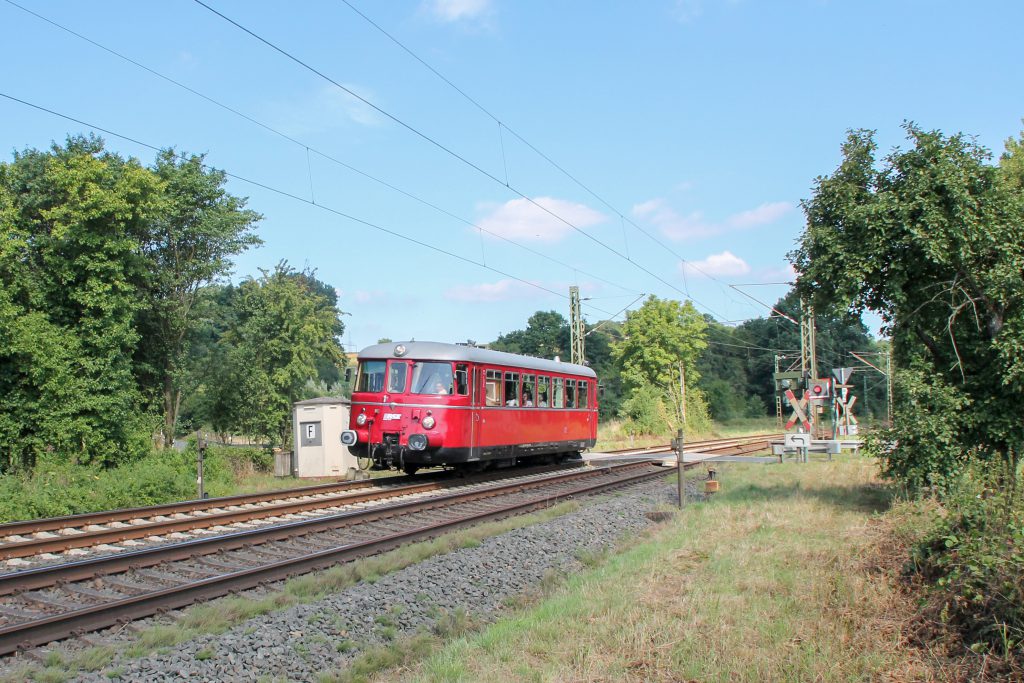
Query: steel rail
{"type": "Point", "coordinates": [144, 529]}
{"type": "Point", "coordinates": [43, 577]}
{"type": "Point", "coordinates": [707, 445]}
{"type": "Point", "coordinates": [30, 526]}
{"type": "Point", "coordinates": [36, 546]}
{"type": "Point", "coordinates": [54, 627]}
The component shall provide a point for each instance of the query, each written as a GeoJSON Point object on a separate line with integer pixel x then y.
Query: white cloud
{"type": "Point", "coordinates": [376, 296]}
{"type": "Point", "coordinates": [692, 226]}
{"type": "Point", "coordinates": [784, 274]}
{"type": "Point", "coordinates": [324, 109]}
{"type": "Point", "coordinates": [725, 264]}
{"type": "Point", "coordinates": [521, 219]}
{"type": "Point", "coordinates": [458, 10]}
{"type": "Point", "coordinates": [489, 292]}
{"type": "Point", "coordinates": [762, 215]}
{"type": "Point", "coordinates": [671, 224]}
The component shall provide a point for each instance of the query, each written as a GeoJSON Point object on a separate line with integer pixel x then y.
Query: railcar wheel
{"type": "Point", "coordinates": [410, 469]}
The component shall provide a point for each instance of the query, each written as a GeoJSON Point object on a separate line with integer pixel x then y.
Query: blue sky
{"type": "Point", "coordinates": [700, 122]}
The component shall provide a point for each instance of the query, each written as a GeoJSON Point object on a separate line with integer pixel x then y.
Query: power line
{"type": "Point", "coordinates": [308, 148]}
{"type": "Point", "coordinates": [285, 193]}
{"type": "Point", "coordinates": [323, 207]}
{"type": "Point", "coordinates": [608, 320]}
{"type": "Point", "coordinates": [752, 347]}
{"type": "Point", "coordinates": [451, 152]}
{"type": "Point", "coordinates": [502, 124]}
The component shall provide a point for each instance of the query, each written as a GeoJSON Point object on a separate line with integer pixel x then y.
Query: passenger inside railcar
{"type": "Point", "coordinates": [431, 377]}
{"type": "Point", "coordinates": [527, 398]}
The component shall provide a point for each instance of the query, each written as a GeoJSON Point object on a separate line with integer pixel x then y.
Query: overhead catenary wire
{"type": "Point", "coordinates": [285, 193]}
{"type": "Point", "coordinates": [503, 124]}
{"type": "Point", "coordinates": [323, 207]}
{"type": "Point", "coordinates": [328, 157]}
{"type": "Point", "coordinates": [310, 149]}
{"type": "Point", "coordinates": [441, 146]}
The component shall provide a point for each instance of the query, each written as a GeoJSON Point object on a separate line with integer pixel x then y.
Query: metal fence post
{"type": "Point", "coordinates": [679, 468]}
{"type": "Point", "coordinates": [201, 455]}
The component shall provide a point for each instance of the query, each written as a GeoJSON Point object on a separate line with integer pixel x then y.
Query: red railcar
{"type": "Point", "coordinates": [420, 404]}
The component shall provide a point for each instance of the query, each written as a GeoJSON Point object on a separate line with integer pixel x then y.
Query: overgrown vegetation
{"type": "Point", "coordinates": [57, 488]}
{"type": "Point", "coordinates": [972, 563]}
{"type": "Point", "coordinates": [111, 314]}
{"type": "Point", "coordinates": [930, 238]}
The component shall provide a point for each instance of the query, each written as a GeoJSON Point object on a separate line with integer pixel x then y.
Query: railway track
{"type": "Point", "coordinates": [50, 603]}
{"type": "Point", "coordinates": [732, 446]}
{"type": "Point", "coordinates": [131, 526]}
{"type": "Point", "coordinates": [59, 534]}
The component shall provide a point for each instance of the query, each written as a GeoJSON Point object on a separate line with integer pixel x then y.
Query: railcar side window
{"type": "Point", "coordinates": [542, 391]}
{"type": "Point", "coordinates": [557, 392]}
{"type": "Point", "coordinates": [431, 377]}
{"type": "Point", "coordinates": [462, 379]}
{"type": "Point", "coordinates": [397, 373]}
{"type": "Point", "coordinates": [493, 387]}
{"type": "Point", "coordinates": [570, 393]}
{"type": "Point", "coordinates": [511, 388]}
{"type": "Point", "coordinates": [371, 376]}
{"type": "Point", "coordinates": [528, 388]}
{"type": "Point", "coordinates": [584, 401]}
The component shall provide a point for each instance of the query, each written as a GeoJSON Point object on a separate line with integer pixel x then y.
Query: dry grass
{"type": "Point", "coordinates": [785, 576]}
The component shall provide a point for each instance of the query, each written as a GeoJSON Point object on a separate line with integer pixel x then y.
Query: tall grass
{"type": "Point", "coordinates": [769, 581]}
{"type": "Point", "coordinates": [61, 488]}
{"type": "Point", "coordinates": [970, 562]}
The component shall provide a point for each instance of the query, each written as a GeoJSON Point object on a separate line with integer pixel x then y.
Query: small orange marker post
{"type": "Point", "coordinates": [711, 485]}
{"type": "Point", "coordinates": [679, 468]}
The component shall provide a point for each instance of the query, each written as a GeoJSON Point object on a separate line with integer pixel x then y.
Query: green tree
{"type": "Point", "coordinates": [931, 240]}
{"type": "Point", "coordinates": [837, 334]}
{"type": "Point", "coordinates": [600, 339]}
{"type": "Point", "coordinates": [660, 338]}
{"type": "Point", "coordinates": [546, 336]}
{"type": "Point", "coordinates": [70, 273]}
{"type": "Point", "coordinates": [281, 325]}
{"type": "Point", "coordinates": [189, 243]}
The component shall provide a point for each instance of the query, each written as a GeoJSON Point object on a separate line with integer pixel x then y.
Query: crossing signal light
{"type": "Point", "coordinates": [819, 388]}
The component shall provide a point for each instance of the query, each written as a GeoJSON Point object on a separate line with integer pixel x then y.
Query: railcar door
{"type": "Point", "coordinates": [474, 415]}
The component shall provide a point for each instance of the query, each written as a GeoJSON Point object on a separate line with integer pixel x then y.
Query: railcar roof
{"type": "Point", "coordinates": [424, 350]}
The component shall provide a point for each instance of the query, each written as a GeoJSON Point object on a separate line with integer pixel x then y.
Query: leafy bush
{"type": "Point", "coordinates": [925, 450]}
{"type": "Point", "coordinates": [973, 559]}
{"type": "Point", "coordinates": [645, 412]}
{"type": "Point", "coordinates": [57, 488]}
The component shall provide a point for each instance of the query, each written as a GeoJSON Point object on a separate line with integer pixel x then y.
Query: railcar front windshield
{"type": "Point", "coordinates": [431, 377]}
{"type": "Point", "coordinates": [371, 376]}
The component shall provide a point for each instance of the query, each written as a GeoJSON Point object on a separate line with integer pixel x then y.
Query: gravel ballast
{"type": "Point", "coordinates": [301, 642]}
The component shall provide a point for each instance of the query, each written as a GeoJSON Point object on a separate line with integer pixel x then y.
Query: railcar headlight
{"type": "Point", "coordinates": [429, 422]}
{"type": "Point", "coordinates": [417, 442]}
{"type": "Point", "coordinates": [361, 419]}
